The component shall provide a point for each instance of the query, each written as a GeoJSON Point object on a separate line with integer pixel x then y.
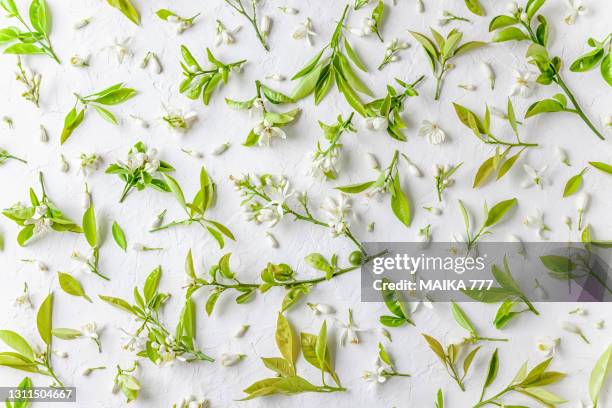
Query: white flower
{"type": "Point", "coordinates": [43, 135]}
{"type": "Point", "coordinates": [276, 77]}
{"type": "Point", "coordinates": [350, 331]}
{"type": "Point", "coordinates": [548, 345]}
{"type": "Point", "coordinates": [324, 162]}
{"type": "Point", "coordinates": [375, 123]}
{"type": "Point", "coordinates": [24, 300]}
{"type": "Point", "coordinates": [241, 331]}
{"type": "Point", "coordinates": [489, 74]}
{"type": "Point", "coordinates": [320, 308]}
{"type": "Point", "coordinates": [537, 222]}
{"type": "Point", "coordinates": [80, 62]}
{"type": "Point", "coordinates": [304, 31]}
{"type": "Point", "coordinates": [121, 49]}
{"type": "Point", "coordinates": [40, 220]}
{"type": "Point", "coordinates": [228, 360]}
{"type": "Point", "coordinates": [63, 164]}
{"type": "Point", "coordinates": [377, 375]}
{"type": "Point", "coordinates": [90, 330]}
{"type": "Point", "coordinates": [337, 212]}
{"type": "Point", "coordinates": [267, 131]}
{"type": "Point", "coordinates": [576, 8]}
{"type": "Point", "coordinates": [536, 176]}
{"type": "Point", "coordinates": [223, 35]}
{"type": "Point", "coordinates": [432, 131]}
{"type": "Point", "coordinates": [288, 10]}
{"type": "Point", "coordinates": [524, 83]}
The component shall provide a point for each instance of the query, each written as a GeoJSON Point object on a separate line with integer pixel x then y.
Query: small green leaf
{"type": "Point", "coordinates": [356, 188]}
{"type": "Point", "coordinates": [400, 203]}
{"type": "Point", "coordinates": [510, 34]}
{"type": "Point", "coordinates": [573, 184]}
{"type": "Point", "coordinates": [44, 319]}
{"type": "Point", "coordinates": [496, 213]}
{"type": "Point", "coordinates": [599, 374]}
{"type": "Point", "coordinates": [285, 339]}
{"type": "Point", "coordinates": [462, 319]}
{"type": "Point", "coordinates": [72, 286]}
{"type": "Point", "coordinates": [605, 167]}
{"type": "Point", "coordinates": [119, 236]}
{"type": "Point", "coordinates": [89, 227]}
{"type": "Point", "coordinates": [544, 106]}
{"type": "Point", "coordinates": [17, 343]}
{"type": "Point", "coordinates": [127, 8]}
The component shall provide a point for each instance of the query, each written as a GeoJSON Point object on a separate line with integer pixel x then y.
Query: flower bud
{"type": "Point", "coordinates": [266, 22]}
{"type": "Point", "coordinates": [241, 331]}
{"type": "Point", "coordinates": [582, 202]}
{"type": "Point", "coordinates": [220, 149]}
{"type": "Point", "coordinates": [372, 161]}
{"type": "Point", "coordinates": [489, 74]}
{"type": "Point", "coordinates": [44, 136]}
{"type": "Point", "coordinates": [272, 241]}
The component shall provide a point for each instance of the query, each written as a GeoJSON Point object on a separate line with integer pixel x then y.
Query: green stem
{"type": "Point", "coordinates": [125, 192]}
{"type": "Point", "coordinates": [492, 399]}
{"type": "Point", "coordinates": [478, 338]}
{"type": "Point", "coordinates": [578, 109]}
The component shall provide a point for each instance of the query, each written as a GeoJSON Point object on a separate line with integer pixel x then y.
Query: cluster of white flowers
{"type": "Point", "coordinates": [41, 220]}
{"type": "Point", "coordinates": [392, 50]}
{"type": "Point", "coordinates": [268, 132]}
{"type": "Point", "coordinates": [223, 35]}
{"type": "Point", "coordinates": [338, 212]}
{"type": "Point", "coordinates": [179, 121]}
{"type": "Point", "coordinates": [147, 161]}
{"type": "Point", "coordinates": [279, 191]}
{"type": "Point", "coordinates": [325, 162]}
{"type": "Point", "coordinates": [192, 402]}
{"type": "Point", "coordinates": [368, 26]}
{"type": "Point", "coordinates": [89, 163]}
{"type": "Point", "coordinates": [576, 8]}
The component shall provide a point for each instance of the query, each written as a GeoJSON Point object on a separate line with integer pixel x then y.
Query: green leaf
{"type": "Point", "coordinates": [275, 96]}
{"type": "Point", "coordinates": [224, 266]}
{"type": "Point", "coordinates": [285, 339]}
{"type": "Point", "coordinates": [151, 284]}
{"type": "Point", "coordinates": [212, 300]}
{"type": "Point", "coordinates": [588, 61]}
{"type": "Point", "coordinates": [507, 165]}
{"type": "Point", "coordinates": [573, 184]}
{"type": "Point", "coordinates": [606, 69]}
{"type": "Point", "coordinates": [605, 167]}
{"type": "Point", "coordinates": [318, 262]}
{"type": "Point", "coordinates": [128, 10]}
{"type": "Point", "coordinates": [279, 365]}
{"type": "Point", "coordinates": [310, 65]}
{"type": "Point", "coordinates": [496, 213]}
{"type": "Point", "coordinates": [543, 106]}
{"type": "Point", "coordinates": [71, 122]}
{"type": "Point", "coordinates": [106, 114]}
{"type": "Point", "coordinates": [462, 319]}
{"type": "Point", "coordinates": [558, 264]}
{"type": "Point", "coordinates": [475, 7]}
{"type": "Point", "coordinates": [353, 56]}
{"type": "Point", "coordinates": [89, 227]}
{"type": "Point", "coordinates": [532, 8]}
{"type": "Point", "coordinates": [306, 83]}
{"type": "Point", "coordinates": [119, 236]}
{"type": "Point", "coordinates": [599, 374]}
{"type": "Point", "coordinates": [436, 347]}
{"type": "Point", "coordinates": [24, 49]}
{"type": "Point", "coordinates": [40, 16]}
{"type": "Point", "coordinates": [114, 95]}
{"type": "Point", "coordinates": [510, 34]}
{"type": "Point", "coordinates": [66, 333]}
{"type": "Point", "coordinates": [502, 21]}
{"type": "Point", "coordinates": [71, 286]}
{"type": "Point", "coordinates": [427, 44]}
{"type": "Point", "coordinates": [469, 359]}
{"type": "Point", "coordinates": [44, 319]}
{"type": "Point", "coordinates": [400, 203]}
{"type": "Point", "coordinates": [175, 188]}
{"type": "Point", "coordinates": [356, 188]}
{"type": "Point", "coordinates": [17, 343]}
{"type": "Point", "coordinates": [485, 171]}
{"type": "Point", "coordinates": [321, 345]}
{"type": "Point", "coordinates": [117, 302]}
{"type": "Point", "coordinates": [493, 369]}
{"type": "Point", "coordinates": [468, 46]}
{"type": "Point", "coordinates": [464, 115]}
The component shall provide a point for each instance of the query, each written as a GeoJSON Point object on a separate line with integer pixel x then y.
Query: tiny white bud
{"type": "Point", "coordinates": [86, 197]}
{"type": "Point", "coordinates": [414, 170]}
{"type": "Point", "coordinates": [80, 24]}
{"type": "Point", "coordinates": [266, 22]}
{"type": "Point", "coordinates": [272, 240]}
{"type": "Point", "coordinates": [599, 324]}
{"type": "Point", "coordinates": [489, 74]}
{"type": "Point", "coordinates": [44, 136]}
{"type": "Point", "coordinates": [582, 202]}
{"type": "Point", "coordinates": [567, 221]}
{"type": "Point", "coordinates": [219, 150]}
{"type": "Point", "coordinates": [372, 161]}
{"type": "Point", "coordinates": [241, 331]}
{"type": "Point", "coordinates": [275, 77]}
{"type": "Point", "coordinates": [63, 164]}
{"type": "Point", "coordinates": [562, 155]}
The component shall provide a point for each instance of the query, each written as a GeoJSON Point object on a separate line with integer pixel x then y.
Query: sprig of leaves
{"type": "Point", "coordinates": [140, 170]}
{"type": "Point", "coordinates": [252, 18]}
{"type": "Point", "coordinates": [286, 382]}
{"type": "Point", "coordinates": [529, 383]}
{"type": "Point", "coordinates": [161, 346]}
{"type": "Point", "coordinates": [6, 156]}
{"type": "Point", "coordinates": [272, 122]}
{"type": "Point", "coordinates": [508, 293]}
{"type": "Point", "coordinates": [492, 216]}
{"type": "Point", "coordinates": [333, 64]}
{"type": "Point", "coordinates": [464, 321]}
{"type": "Point", "coordinates": [331, 153]}
{"type": "Point", "coordinates": [520, 27]}
{"type": "Point", "coordinates": [200, 82]}
{"type": "Point", "coordinates": [449, 357]}
{"type": "Point", "coordinates": [388, 181]}
{"type": "Point", "coordinates": [90, 230]}
{"type": "Point", "coordinates": [502, 161]}
{"type": "Point", "coordinates": [599, 53]}
{"type": "Point", "coordinates": [443, 178]}
{"type": "Point", "coordinates": [388, 369]}
{"type": "Point", "coordinates": [110, 96]}
{"type": "Point", "coordinates": [441, 50]}
{"type": "Point", "coordinates": [577, 265]}
{"type": "Point", "coordinates": [397, 306]}
{"type": "Point", "coordinates": [203, 200]}
{"type": "Point", "coordinates": [127, 8]}
{"type": "Point", "coordinates": [39, 217]}
{"type": "Point", "coordinates": [24, 358]}
{"type": "Point", "coordinates": [377, 16]}
{"type": "Point", "coordinates": [40, 22]}
{"type": "Point", "coordinates": [128, 384]}
{"type": "Point", "coordinates": [24, 387]}
{"type": "Point", "coordinates": [392, 106]}
{"type": "Point", "coordinates": [221, 278]}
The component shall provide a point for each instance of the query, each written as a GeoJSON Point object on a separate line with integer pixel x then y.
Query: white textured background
{"type": "Point", "coordinates": [162, 386]}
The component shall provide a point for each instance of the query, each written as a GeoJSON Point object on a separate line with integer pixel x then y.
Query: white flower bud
{"type": "Point", "coordinates": [220, 149]}
{"type": "Point", "coordinates": [414, 170]}
{"type": "Point", "coordinates": [272, 241]}
{"type": "Point", "coordinates": [524, 17]}
{"type": "Point", "coordinates": [562, 155]}
{"type": "Point", "coordinates": [228, 360]}
{"type": "Point", "coordinates": [320, 308]}
{"type": "Point", "coordinates": [158, 219]}
{"type": "Point", "coordinates": [44, 136]}
{"type": "Point", "coordinates": [599, 324]}
{"type": "Point", "coordinates": [140, 121]}
{"type": "Point", "coordinates": [582, 202]}
{"type": "Point", "coordinates": [372, 161]}
{"type": "Point", "coordinates": [266, 23]}
{"type": "Point", "coordinates": [42, 267]}
{"type": "Point", "coordinates": [275, 77]}
{"type": "Point", "coordinates": [85, 197]}
{"type": "Point", "coordinates": [241, 331]}
{"type": "Point", "coordinates": [567, 221]}
{"type": "Point", "coordinates": [80, 24]}
{"type": "Point", "coordinates": [489, 74]}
